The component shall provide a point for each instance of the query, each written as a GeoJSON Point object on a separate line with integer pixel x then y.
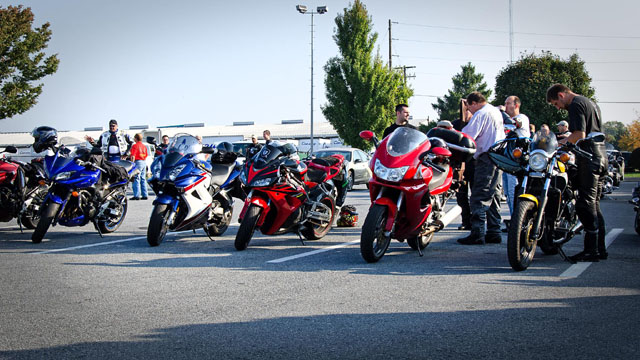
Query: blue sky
{"type": "Point", "coordinates": [172, 62]}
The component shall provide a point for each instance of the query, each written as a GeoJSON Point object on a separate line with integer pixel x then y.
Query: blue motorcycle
{"type": "Point", "coordinates": [81, 189]}
{"type": "Point", "coordinates": [190, 191]}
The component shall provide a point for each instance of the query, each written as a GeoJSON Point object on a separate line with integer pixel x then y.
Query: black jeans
{"type": "Point", "coordinates": [589, 185]}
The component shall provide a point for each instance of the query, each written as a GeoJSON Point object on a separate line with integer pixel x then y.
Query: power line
{"type": "Point", "coordinates": [519, 32]}
{"type": "Point", "coordinates": [521, 47]}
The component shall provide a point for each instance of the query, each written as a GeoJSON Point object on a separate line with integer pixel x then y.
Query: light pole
{"type": "Point", "coordinates": [302, 9]}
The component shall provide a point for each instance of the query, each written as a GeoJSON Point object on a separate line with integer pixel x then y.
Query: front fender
{"type": "Point", "coordinates": [163, 199]}
{"type": "Point", "coordinates": [391, 213]}
{"type": "Point", "coordinates": [530, 197]}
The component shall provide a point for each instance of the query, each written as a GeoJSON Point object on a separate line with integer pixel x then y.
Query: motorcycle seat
{"type": "Point", "coordinates": [127, 165]}
{"type": "Point", "coordinates": [220, 173]}
{"type": "Point", "coordinates": [316, 176]}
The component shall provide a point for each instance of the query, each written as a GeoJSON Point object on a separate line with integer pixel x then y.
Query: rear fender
{"type": "Point", "coordinates": [391, 213]}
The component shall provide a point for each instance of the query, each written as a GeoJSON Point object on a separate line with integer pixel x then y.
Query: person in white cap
{"type": "Point", "coordinates": [563, 130]}
{"type": "Point", "coordinates": [253, 148]}
{"type": "Point", "coordinates": [446, 124]}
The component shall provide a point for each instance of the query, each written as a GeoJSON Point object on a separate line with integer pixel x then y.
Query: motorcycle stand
{"type": "Point", "coordinates": [95, 224]}
{"type": "Point", "coordinates": [300, 236]}
{"type": "Point", "coordinates": [564, 256]}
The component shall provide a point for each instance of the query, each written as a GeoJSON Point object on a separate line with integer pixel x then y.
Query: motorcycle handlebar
{"type": "Point", "coordinates": [435, 166]}
{"type": "Point", "coordinates": [576, 150]}
{"type": "Point", "coordinates": [89, 164]}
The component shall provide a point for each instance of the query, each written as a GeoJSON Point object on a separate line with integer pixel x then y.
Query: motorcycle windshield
{"type": "Point", "coordinates": [184, 144]}
{"type": "Point", "coordinates": [544, 140]}
{"type": "Point", "coordinates": [403, 140]}
{"type": "Point", "coordinates": [267, 154]}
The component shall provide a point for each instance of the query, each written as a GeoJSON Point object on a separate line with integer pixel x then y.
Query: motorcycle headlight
{"type": "Point", "coordinates": [63, 175]}
{"type": "Point", "coordinates": [173, 173]}
{"type": "Point", "coordinates": [389, 174]}
{"type": "Point", "coordinates": [538, 161]}
{"type": "Point", "coordinates": [262, 182]}
{"type": "Point", "coordinates": [155, 170]}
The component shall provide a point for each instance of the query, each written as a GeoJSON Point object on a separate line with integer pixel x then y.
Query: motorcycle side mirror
{"type": "Point", "coordinates": [367, 135]}
{"type": "Point", "coordinates": [151, 140]}
{"type": "Point", "coordinates": [11, 149]}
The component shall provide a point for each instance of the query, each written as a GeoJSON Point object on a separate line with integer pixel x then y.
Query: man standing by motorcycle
{"type": "Point", "coordinates": [585, 118]}
{"type": "Point", "coordinates": [485, 127]}
{"type": "Point", "coordinates": [113, 143]}
{"type": "Point", "coordinates": [402, 119]}
{"type": "Point", "coordinates": [521, 121]}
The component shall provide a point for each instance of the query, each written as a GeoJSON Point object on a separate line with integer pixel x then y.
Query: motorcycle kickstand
{"type": "Point", "coordinates": [300, 236]}
{"type": "Point", "coordinates": [564, 256]}
{"type": "Point", "coordinates": [95, 224]}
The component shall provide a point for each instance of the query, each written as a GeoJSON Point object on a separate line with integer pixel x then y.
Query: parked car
{"type": "Point", "coordinates": [357, 163]}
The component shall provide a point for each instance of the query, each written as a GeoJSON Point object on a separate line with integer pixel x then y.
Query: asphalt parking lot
{"type": "Point", "coordinates": [77, 295]}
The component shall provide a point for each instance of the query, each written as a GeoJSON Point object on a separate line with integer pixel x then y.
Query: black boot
{"type": "Point", "coordinates": [472, 239]}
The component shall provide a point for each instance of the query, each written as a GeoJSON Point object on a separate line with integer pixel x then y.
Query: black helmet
{"type": "Point", "coordinates": [44, 137]}
{"type": "Point", "coordinates": [224, 154]}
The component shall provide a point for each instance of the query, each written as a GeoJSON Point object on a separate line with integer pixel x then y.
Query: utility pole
{"type": "Point", "coordinates": [390, 67]}
{"type": "Point", "coordinates": [511, 31]}
{"type": "Point", "coordinates": [404, 72]}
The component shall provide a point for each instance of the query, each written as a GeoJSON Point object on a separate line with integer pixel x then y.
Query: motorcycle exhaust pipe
{"type": "Point", "coordinates": [449, 217]}
{"type": "Point", "coordinates": [576, 228]}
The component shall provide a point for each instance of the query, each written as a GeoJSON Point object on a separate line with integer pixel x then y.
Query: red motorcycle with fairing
{"type": "Point", "coordinates": [411, 184]}
{"type": "Point", "coordinates": [287, 195]}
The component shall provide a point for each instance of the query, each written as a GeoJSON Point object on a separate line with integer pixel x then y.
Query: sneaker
{"type": "Point", "coordinates": [144, 198]}
{"type": "Point", "coordinates": [584, 256]}
{"type": "Point", "coordinates": [493, 238]}
{"type": "Point", "coordinates": [472, 239]}
{"type": "Point", "coordinates": [134, 198]}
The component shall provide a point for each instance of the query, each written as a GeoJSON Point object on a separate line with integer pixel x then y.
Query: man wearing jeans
{"type": "Point", "coordinates": [138, 156]}
{"type": "Point", "coordinates": [485, 127]}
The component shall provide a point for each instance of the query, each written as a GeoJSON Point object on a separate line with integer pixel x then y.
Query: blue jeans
{"type": "Point", "coordinates": [141, 180]}
{"type": "Point", "coordinates": [509, 183]}
{"type": "Point", "coordinates": [485, 197]}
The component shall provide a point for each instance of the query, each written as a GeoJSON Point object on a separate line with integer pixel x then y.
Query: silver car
{"type": "Point", "coordinates": [357, 163]}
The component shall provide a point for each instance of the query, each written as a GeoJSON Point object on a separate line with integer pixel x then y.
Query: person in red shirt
{"type": "Point", "coordinates": [138, 156]}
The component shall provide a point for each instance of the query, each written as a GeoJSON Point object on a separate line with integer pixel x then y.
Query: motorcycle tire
{"type": "Point", "coordinates": [420, 241]}
{"type": "Point", "coordinates": [520, 247]}
{"type": "Point", "coordinates": [111, 226]}
{"type": "Point", "coordinates": [214, 229]}
{"type": "Point", "coordinates": [547, 246]}
{"type": "Point", "coordinates": [373, 242]}
{"type": "Point", "coordinates": [247, 227]}
{"type": "Point", "coordinates": [157, 224]}
{"type": "Point", "coordinates": [46, 218]}
{"type": "Point", "coordinates": [637, 222]}
{"type": "Point", "coordinates": [30, 219]}
{"type": "Point", "coordinates": [315, 232]}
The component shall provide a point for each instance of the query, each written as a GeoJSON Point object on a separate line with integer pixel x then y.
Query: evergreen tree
{"type": "Point", "coordinates": [464, 83]}
{"type": "Point", "coordinates": [361, 91]}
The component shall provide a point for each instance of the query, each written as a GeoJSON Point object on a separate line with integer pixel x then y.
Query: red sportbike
{"type": "Point", "coordinates": [412, 181]}
{"type": "Point", "coordinates": [286, 195]}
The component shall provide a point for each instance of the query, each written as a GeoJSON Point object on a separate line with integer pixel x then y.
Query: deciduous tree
{"type": "Point", "coordinates": [22, 60]}
{"type": "Point", "coordinates": [361, 91]}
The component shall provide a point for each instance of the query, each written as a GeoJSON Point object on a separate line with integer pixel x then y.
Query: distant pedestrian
{"type": "Point", "coordinates": [402, 119]}
{"type": "Point", "coordinates": [139, 155]}
{"type": "Point", "coordinates": [266, 135]}
{"type": "Point", "coordinates": [563, 130]}
{"type": "Point", "coordinates": [114, 143]}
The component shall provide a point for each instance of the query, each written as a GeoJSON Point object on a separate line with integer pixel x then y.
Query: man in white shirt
{"type": "Point", "coordinates": [512, 108]}
{"type": "Point", "coordinates": [485, 127]}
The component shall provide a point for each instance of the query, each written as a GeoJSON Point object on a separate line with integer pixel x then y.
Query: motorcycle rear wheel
{"type": "Point", "coordinates": [314, 231]}
{"type": "Point", "coordinates": [520, 247]}
{"type": "Point", "coordinates": [217, 229]}
{"type": "Point", "coordinates": [31, 218]}
{"type": "Point", "coordinates": [46, 218]}
{"type": "Point", "coordinates": [247, 227]}
{"type": "Point", "coordinates": [113, 225]}
{"type": "Point", "coordinates": [373, 242]}
{"type": "Point", "coordinates": [421, 241]}
{"type": "Point", "coordinates": [157, 224]}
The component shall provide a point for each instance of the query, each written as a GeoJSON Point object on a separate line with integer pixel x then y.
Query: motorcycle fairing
{"type": "Point", "coordinates": [414, 211]}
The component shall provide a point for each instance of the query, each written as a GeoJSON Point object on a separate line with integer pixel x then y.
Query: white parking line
{"type": "Point", "coordinates": [576, 269]}
{"type": "Point", "coordinates": [281, 260]}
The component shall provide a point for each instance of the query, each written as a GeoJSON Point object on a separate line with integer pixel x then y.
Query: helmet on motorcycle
{"type": "Point", "coordinates": [348, 216]}
{"type": "Point", "coordinates": [44, 137]}
{"type": "Point", "coordinates": [224, 154]}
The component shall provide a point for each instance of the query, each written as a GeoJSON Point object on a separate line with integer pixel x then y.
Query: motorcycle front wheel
{"type": "Point", "coordinates": [217, 229]}
{"type": "Point", "coordinates": [315, 231]}
{"type": "Point", "coordinates": [520, 246]}
{"type": "Point", "coordinates": [111, 225]}
{"type": "Point", "coordinates": [247, 227]}
{"type": "Point", "coordinates": [373, 242]}
{"type": "Point", "coordinates": [157, 224]}
{"type": "Point", "coordinates": [46, 218]}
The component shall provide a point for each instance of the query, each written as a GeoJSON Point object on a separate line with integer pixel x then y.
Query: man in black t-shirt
{"type": "Point", "coordinates": [402, 119]}
{"type": "Point", "coordinates": [585, 118]}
